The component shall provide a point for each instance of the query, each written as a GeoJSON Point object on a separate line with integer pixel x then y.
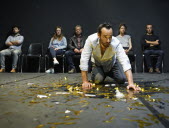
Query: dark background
{"type": "Point", "coordinates": [38, 19]}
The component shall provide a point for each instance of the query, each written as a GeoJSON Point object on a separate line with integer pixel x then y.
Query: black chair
{"type": "Point", "coordinates": [19, 62]}
{"type": "Point", "coordinates": [48, 56]}
{"type": "Point", "coordinates": [35, 51]}
{"type": "Point", "coordinates": [133, 62]}
{"type": "Point", "coordinates": [152, 56]}
{"type": "Point", "coordinates": [132, 58]}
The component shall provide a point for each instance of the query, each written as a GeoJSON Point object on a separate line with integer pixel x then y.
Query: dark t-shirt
{"type": "Point", "coordinates": [150, 38]}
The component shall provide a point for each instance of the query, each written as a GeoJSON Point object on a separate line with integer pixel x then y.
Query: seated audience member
{"type": "Point", "coordinates": [151, 46]}
{"type": "Point", "coordinates": [14, 43]}
{"type": "Point", "coordinates": [125, 40]}
{"type": "Point", "coordinates": [75, 46]}
{"type": "Point", "coordinates": [57, 46]}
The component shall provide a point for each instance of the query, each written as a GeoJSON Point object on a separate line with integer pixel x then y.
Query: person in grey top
{"type": "Point", "coordinates": [124, 39]}
{"type": "Point", "coordinates": [14, 42]}
{"type": "Point", "coordinates": [57, 46]}
{"type": "Point", "coordinates": [126, 42]}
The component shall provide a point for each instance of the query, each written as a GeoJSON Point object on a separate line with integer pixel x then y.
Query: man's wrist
{"type": "Point", "coordinates": [85, 81]}
{"type": "Point", "coordinates": [130, 83]}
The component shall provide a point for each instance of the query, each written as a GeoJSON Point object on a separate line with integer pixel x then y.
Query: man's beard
{"type": "Point", "coordinates": [13, 33]}
{"type": "Point", "coordinates": [106, 45]}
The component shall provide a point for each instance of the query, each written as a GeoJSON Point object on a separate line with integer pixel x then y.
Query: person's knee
{"type": "Point", "coordinates": [67, 53]}
{"type": "Point", "coordinates": [2, 53]}
{"type": "Point", "coordinates": [15, 53]}
{"type": "Point", "coordinates": [146, 52]}
{"type": "Point", "coordinates": [98, 78]}
{"type": "Point", "coordinates": [59, 52]}
{"type": "Point", "coordinates": [161, 53]}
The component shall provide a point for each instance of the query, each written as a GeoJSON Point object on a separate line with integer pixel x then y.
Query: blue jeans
{"type": "Point", "coordinates": [160, 55]}
{"type": "Point", "coordinates": [9, 52]}
{"type": "Point", "coordinates": [54, 53]}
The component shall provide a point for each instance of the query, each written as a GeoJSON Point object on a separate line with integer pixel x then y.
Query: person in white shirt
{"type": "Point", "coordinates": [108, 56]}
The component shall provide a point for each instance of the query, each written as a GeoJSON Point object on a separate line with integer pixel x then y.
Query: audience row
{"type": "Point", "coordinates": [58, 46]}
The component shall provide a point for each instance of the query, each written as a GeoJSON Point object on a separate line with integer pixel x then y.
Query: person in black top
{"type": "Point", "coordinates": [75, 46]}
{"type": "Point", "coordinates": [151, 46]}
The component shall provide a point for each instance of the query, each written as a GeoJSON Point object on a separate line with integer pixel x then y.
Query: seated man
{"type": "Point", "coordinates": [76, 45]}
{"type": "Point", "coordinates": [151, 46]}
{"type": "Point", "coordinates": [14, 42]}
{"type": "Point", "coordinates": [108, 56]}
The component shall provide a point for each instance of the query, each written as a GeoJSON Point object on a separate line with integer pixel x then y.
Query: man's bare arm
{"type": "Point", "coordinates": [9, 44]}
{"type": "Point", "coordinates": [84, 76]}
{"type": "Point", "coordinates": [86, 84]}
{"type": "Point", "coordinates": [129, 76]}
{"type": "Point", "coordinates": [15, 42]}
{"type": "Point", "coordinates": [153, 42]}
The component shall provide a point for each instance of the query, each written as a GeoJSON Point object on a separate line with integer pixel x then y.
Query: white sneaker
{"type": "Point", "coordinates": [51, 70]}
{"type": "Point", "coordinates": [55, 62]}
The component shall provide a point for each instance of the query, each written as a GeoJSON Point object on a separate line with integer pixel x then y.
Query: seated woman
{"type": "Point", "coordinates": [56, 47]}
{"type": "Point", "coordinates": [126, 42]}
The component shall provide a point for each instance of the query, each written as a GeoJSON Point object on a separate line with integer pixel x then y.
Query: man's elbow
{"type": "Point", "coordinates": [8, 43]}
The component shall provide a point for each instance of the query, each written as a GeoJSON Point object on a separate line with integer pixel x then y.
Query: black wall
{"type": "Point", "coordinates": [38, 19]}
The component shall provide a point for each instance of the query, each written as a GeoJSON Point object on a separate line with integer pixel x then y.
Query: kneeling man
{"type": "Point", "coordinates": [108, 56]}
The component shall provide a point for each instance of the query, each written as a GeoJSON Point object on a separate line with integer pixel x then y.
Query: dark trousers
{"type": "Point", "coordinates": [160, 55]}
{"type": "Point", "coordinates": [69, 57]}
{"type": "Point", "coordinates": [117, 73]}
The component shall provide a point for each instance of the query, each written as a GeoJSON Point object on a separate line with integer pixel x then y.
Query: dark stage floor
{"type": "Point", "coordinates": [32, 100]}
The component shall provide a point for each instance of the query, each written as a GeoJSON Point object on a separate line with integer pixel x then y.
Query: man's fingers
{"type": "Point", "coordinates": [133, 87]}
{"type": "Point", "coordinates": [87, 86]}
{"type": "Point", "coordinates": [138, 88]}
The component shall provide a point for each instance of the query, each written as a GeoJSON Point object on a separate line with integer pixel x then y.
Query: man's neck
{"type": "Point", "coordinates": [121, 34]}
{"type": "Point", "coordinates": [78, 35]}
{"type": "Point", "coordinates": [149, 34]}
{"type": "Point", "coordinates": [102, 48]}
{"type": "Point", "coordinates": [15, 34]}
